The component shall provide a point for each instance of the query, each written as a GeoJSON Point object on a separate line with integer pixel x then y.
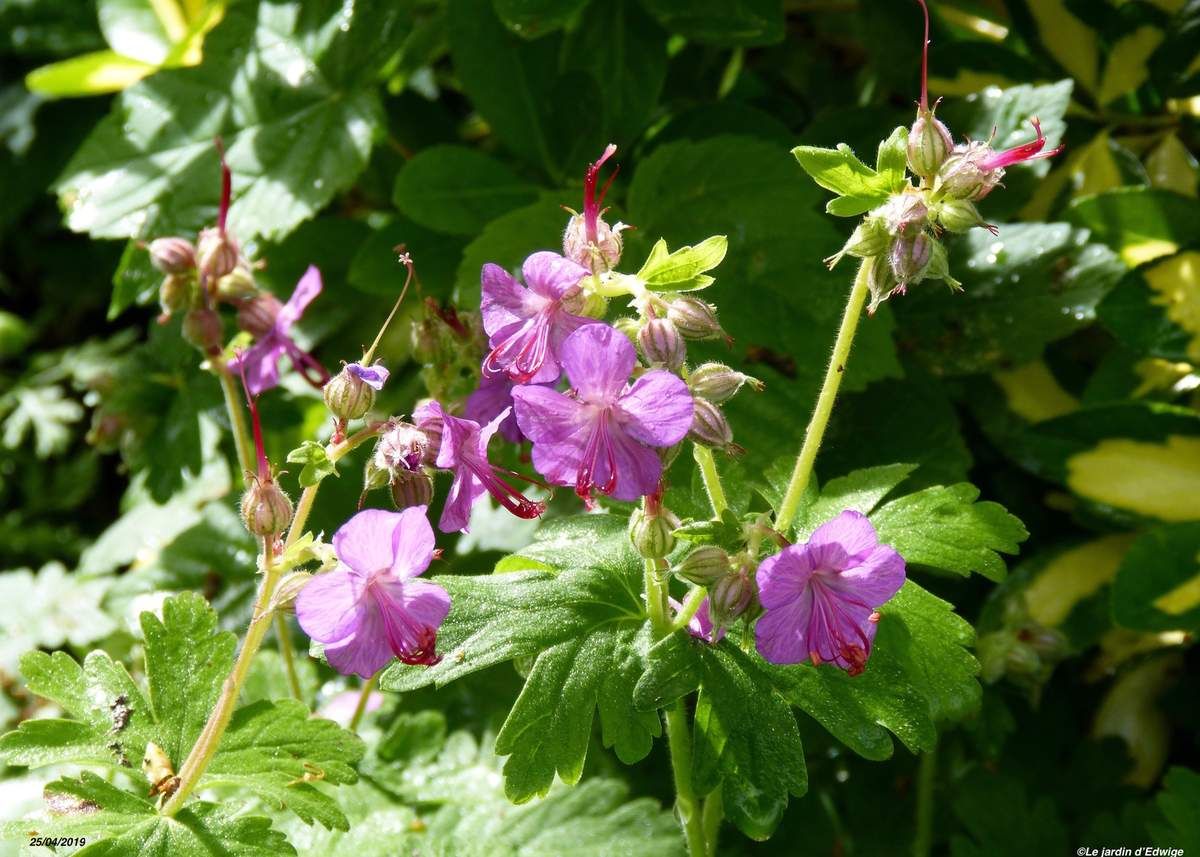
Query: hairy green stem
{"type": "Point", "coordinates": [210, 737]}
{"type": "Point", "coordinates": [690, 605]}
{"type": "Point", "coordinates": [241, 437]}
{"type": "Point", "coordinates": [289, 657]}
{"type": "Point", "coordinates": [712, 815]}
{"type": "Point", "coordinates": [711, 478]}
{"type": "Point", "coordinates": [926, 777]}
{"type": "Point", "coordinates": [206, 745]}
{"type": "Point", "coordinates": [815, 432]}
{"type": "Point", "coordinates": [364, 697]}
{"type": "Point", "coordinates": [679, 739]}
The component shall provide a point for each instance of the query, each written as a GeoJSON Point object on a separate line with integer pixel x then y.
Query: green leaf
{"type": "Point", "coordinates": [682, 269]}
{"type": "Point", "coordinates": [315, 460]}
{"type": "Point", "coordinates": [892, 161]}
{"type": "Point", "coordinates": [458, 190]}
{"type": "Point", "coordinates": [273, 88]}
{"type": "Point", "coordinates": [987, 803]}
{"type": "Point", "coordinates": [581, 617]}
{"type": "Point", "coordinates": [943, 527]}
{"type": "Point", "coordinates": [1157, 587]}
{"type": "Point", "coordinates": [746, 741]}
{"type": "Point", "coordinates": [1177, 802]}
{"type": "Point", "coordinates": [276, 750]}
{"type": "Point", "coordinates": [839, 170]}
{"type": "Point", "coordinates": [50, 609]}
{"type": "Point", "coordinates": [116, 823]}
{"type": "Point", "coordinates": [861, 490]}
{"type": "Point", "coordinates": [1032, 285]}
{"type": "Point", "coordinates": [1147, 309]}
{"type": "Point", "coordinates": [724, 23]}
{"type": "Point", "coordinates": [42, 412]}
{"type": "Point", "coordinates": [89, 74]}
{"type": "Point", "coordinates": [1140, 223]}
{"type": "Point", "coordinates": [534, 18]}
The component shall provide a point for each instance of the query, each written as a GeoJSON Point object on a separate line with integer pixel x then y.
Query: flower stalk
{"type": "Point", "coordinates": [711, 479]}
{"type": "Point", "coordinates": [815, 433]}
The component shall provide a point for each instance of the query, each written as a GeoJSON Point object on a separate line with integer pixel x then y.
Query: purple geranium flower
{"type": "Point", "coordinates": [491, 398]}
{"type": "Point", "coordinates": [463, 450]}
{"type": "Point", "coordinates": [599, 436]}
{"type": "Point", "coordinates": [527, 326]}
{"type": "Point", "coordinates": [374, 375]}
{"type": "Point", "coordinates": [372, 606]}
{"type": "Point", "coordinates": [260, 362]}
{"type": "Point", "coordinates": [821, 598]}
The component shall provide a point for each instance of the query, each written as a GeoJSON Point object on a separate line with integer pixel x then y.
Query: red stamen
{"type": "Point", "coordinates": [264, 467]}
{"type": "Point", "coordinates": [598, 441]}
{"type": "Point", "coordinates": [226, 187]}
{"type": "Point", "coordinates": [506, 495]}
{"type": "Point", "coordinates": [591, 205]}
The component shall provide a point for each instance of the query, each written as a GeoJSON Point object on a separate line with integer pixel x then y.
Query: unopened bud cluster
{"type": "Point", "coordinates": [401, 455]}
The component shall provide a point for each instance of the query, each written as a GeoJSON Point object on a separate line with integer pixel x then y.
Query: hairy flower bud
{"type": "Point", "coordinates": [651, 534]}
{"type": "Point", "coordinates": [694, 318]}
{"type": "Point", "coordinates": [709, 426]}
{"type": "Point", "coordinates": [939, 266]}
{"type": "Point", "coordinates": [958, 215]}
{"type": "Point", "coordinates": [402, 446]}
{"type": "Point", "coordinates": [175, 293]}
{"type": "Point", "coordinates": [202, 328]}
{"type": "Point", "coordinates": [411, 488]}
{"type": "Point", "coordinates": [880, 280]}
{"type": "Point", "coordinates": [718, 383]}
{"type": "Point", "coordinates": [257, 315]}
{"type": "Point", "coordinates": [929, 144]}
{"type": "Point", "coordinates": [266, 510]}
{"type": "Point", "coordinates": [347, 396]}
{"type": "Point", "coordinates": [172, 255]}
{"type": "Point", "coordinates": [963, 175]}
{"type": "Point", "coordinates": [904, 214]}
{"type": "Point", "coordinates": [237, 286]}
{"type": "Point", "coordinates": [631, 327]}
{"type": "Point", "coordinates": [869, 238]}
{"type": "Point", "coordinates": [704, 566]}
{"type": "Point", "coordinates": [584, 302]}
{"type": "Point", "coordinates": [603, 254]}
{"type": "Point", "coordinates": [662, 345]}
{"type": "Point", "coordinates": [217, 253]}
{"type": "Point", "coordinates": [910, 257]}
{"type": "Point", "coordinates": [730, 597]}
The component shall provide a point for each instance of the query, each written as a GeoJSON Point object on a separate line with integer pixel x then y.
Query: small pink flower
{"type": "Point", "coordinates": [260, 362]}
{"type": "Point", "coordinates": [372, 607]}
{"type": "Point", "coordinates": [821, 598]}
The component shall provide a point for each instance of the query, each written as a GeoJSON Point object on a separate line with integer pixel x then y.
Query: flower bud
{"type": "Point", "coordinates": [939, 266]}
{"type": "Point", "coordinates": [662, 345]}
{"type": "Point", "coordinates": [175, 293]}
{"type": "Point", "coordinates": [730, 597]}
{"type": "Point", "coordinates": [704, 566]}
{"type": "Point", "coordinates": [929, 144]}
{"type": "Point", "coordinates": [718, 383]}
{"type": "Point", "coordinates": [285, 594]}
{"type": "Point", "coordinates": [347, 396]}
{"type": "Point", "coordinates": [237, 286]}
{"type": "Point", "coordinates": [266, 510]}
{"type": "Point", "coordinates": [257, 315]}
{"type": "Point", "coordinates": [910, 257]}
{"type": "Point", "coordinates": [651, 534]}
{"type": "Point", "coordinates": [216, 253]}
{"type": "Point", "coordinates": [880, 280]}
{"type": "Point", "coordinates": [401, 447]}
{"type": "Point", "coordinates": [869, 238]}
{"type": "Point", "coordinates": [411, 488]}
{"type": "Point", "coordinates": [601, 256]}
{"type": "Point", "coordinates": [431, 425]}
{"type": "Point", "coordinates": [962, 176]}
{"type": "Point", "coordinates": [584, 302]}
{"type": "Point", "coordinates": [202, 328]}
{"type": "Point", "coordinates": [904, 214]}
{"type": "Point", "coordinates": [694, 319]}
{"type": "Point", "coordinates": [172, 255]}
{"type": "Point", "coordinates": [709, 426]}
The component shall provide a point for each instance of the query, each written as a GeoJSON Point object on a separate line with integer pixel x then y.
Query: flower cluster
{"type": "Point", "coordinates": [899, 241]}
{"type": "Point", "coordinates": [214, 270]}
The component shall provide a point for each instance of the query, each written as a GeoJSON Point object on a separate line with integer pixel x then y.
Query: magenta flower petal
{"type": "Point", "coordinates": [260, 362]}
{"type": "Point", "coordinates": [821, 598]}
{"type": "Point", "coordinates": [306, 292]}
{"type": "Point", "coordinates": [598, 359]}
{"type": "Point", "coordinates": [658, 409]}
{"type": "Point", "coordinates": [701, 626]}
{"type": "Point", "coordinates": [503, 300]}
{"type": "Point", "coordinates": [374, 376]}
{"type": "Point", "coordinates": [331, 603]}
{"type": "Point", "coordinates": [550, 275]}
{"type": "Point", "coordinates": [370, 608]}
{"type": "Point", "coordinates": [491, 398]}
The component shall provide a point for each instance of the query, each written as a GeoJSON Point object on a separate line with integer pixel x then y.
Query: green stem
{"type": "Point", "coordinates": [690, 605]}
{"type": "Point", "coordinates": [713, 813]}
{"type": "Point", "coordinates": [206, 745]}
{"type": "Point", "coordinates": [679, 740]}
{"type": "Point", "coordinates": [802, 472]}
{"type": "Point", "coordinates": [363, 697]}
{"type": "Point", "coordinates": [926, 777]}
{"type": "Point", "coordinates": [289, 659]}
{"type": "Point", "coordinates": [241, 437]}
{"type": "Point", "coordinates": [711, 478]}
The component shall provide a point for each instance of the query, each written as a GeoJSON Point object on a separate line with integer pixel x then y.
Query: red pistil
{"type": "Point", "coordinates": [1031, 151]}
{"type": "Point", "coordinates": [264, 466]}
{"type": "Point", "coordinates": [591, 204]}
{"type": "Point", "coordinates": [226, 187]}
{"type": "Point", "coordinates": [425, 653]}
{"type": "Point", "coordinates": [598, 444]}
{"type": "Point", "coordinates": [925, 60]}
